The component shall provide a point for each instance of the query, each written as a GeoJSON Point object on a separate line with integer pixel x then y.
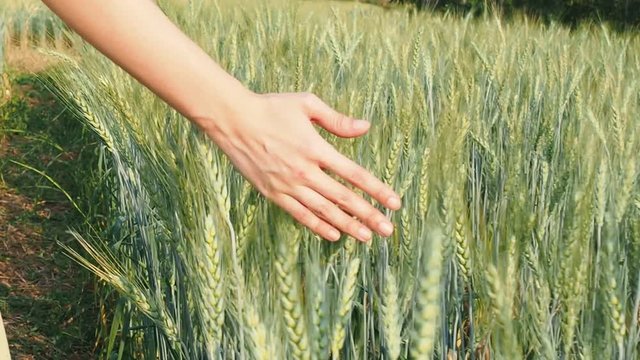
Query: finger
{"type": "Point", "coordinates": [307, 218]}
{"type": "Point", "coordinates": [332, 214]}
{"type": "Point", "coordinates": [332, 120]}
{"type": "Point", "coordinates": [360, 177]}
{"type": "Point", "coordinates": [352, 203]}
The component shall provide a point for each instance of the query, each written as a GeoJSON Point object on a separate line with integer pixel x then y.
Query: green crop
{"type": "Point", "coordinates": [514, 146]}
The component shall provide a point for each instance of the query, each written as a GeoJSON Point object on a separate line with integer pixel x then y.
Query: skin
{"type": "Point", "coordinates": [270, 138]}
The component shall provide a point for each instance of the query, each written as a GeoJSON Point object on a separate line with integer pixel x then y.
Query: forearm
{"type": "Point", "coordinates": [137, 36]}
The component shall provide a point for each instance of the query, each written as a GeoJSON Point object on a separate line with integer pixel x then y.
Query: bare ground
{"type": "Point", "coordinates": [46, 299]}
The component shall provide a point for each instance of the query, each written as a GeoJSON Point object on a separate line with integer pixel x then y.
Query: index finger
{"type": "Point", "coordinates": [361, 178]}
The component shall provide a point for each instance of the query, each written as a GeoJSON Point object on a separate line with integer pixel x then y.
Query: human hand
{"type": "Point", "coordinates": [271, 140]}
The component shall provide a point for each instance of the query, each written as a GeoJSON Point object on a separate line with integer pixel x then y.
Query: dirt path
{"type": "Point", "coordinates": [38, 284]}
{"type": "Point", "coordinates": [46, 299]}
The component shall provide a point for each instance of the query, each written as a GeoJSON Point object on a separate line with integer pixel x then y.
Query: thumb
{"type": "Point", "coordinates": [335, 122]}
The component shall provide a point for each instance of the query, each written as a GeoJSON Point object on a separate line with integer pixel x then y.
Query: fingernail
{"type": "Point", "coordinates": [364, 234]}
{"type": "Point", "coordinates": [393, 202]}
{"type": "Point", "coordinates": [360, 124]}
{"type": "Point", "coordinates": [334, 235]}
{"type": "Point", "coordinates": [386, 228]}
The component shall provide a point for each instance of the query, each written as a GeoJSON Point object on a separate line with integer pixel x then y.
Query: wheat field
{"type": "Point", "coordinates": [513, 145]}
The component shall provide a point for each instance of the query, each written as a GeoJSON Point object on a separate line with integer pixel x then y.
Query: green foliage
{"type": "Point", "coordinates": [622, 12]}
{"type": "Point", "coordinates": [514, 147]}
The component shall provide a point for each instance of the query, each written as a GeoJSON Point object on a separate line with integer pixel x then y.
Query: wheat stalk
{"type": "Point", "coordinates": [391, 315]}
{"type": "Point", "coordinates": [290, 298]}
{"type": "Point", "coordinates": [345, 305]}
{"type": "Point", "coordinates": [428, 299]}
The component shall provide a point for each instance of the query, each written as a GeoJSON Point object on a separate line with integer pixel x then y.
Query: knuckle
{"type": "Point", "coordinates": [353, 226]}
{"type": "Point", "coordinates": [373, 216]}
{"type": "Point", "coordinates": [302, 175]}
{"type": "Point", "coordinates": [358, 175]}
{"type": "Point", "coordinates": [272, 191]}
{"type": "Point", "coordinates": [322, 229]}
{"type": "Point", "coordinates": [303, 216]}
{"type": "Point", "coordinates": [321, 155]}
{"type": "Point", "coordinates": [377, 189]}
{"type": "Point", "coordinates": [325, 210]}
{"type": "Point", "coordinates": [311, 148]}
{"type": "Point", "coordinates": [346, 199]}
{"type": "Point", "coordinates": [315, 225]}
{"type": "Point", "coordinates": [309, 98]}
{"type": "Point", "coordinates": [324, 233]}
{"type": "Point", "coordinates": [341, 120]}
{"type": "Point", "coordinates": [382, 192]}
{"type": "Point", "coordinates": [268, 193]}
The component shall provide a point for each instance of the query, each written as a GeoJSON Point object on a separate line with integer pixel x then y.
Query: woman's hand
{"type": "Point", "coordinates": [272, 141]}
{"type": "Point", "coordinates": [269, 138]}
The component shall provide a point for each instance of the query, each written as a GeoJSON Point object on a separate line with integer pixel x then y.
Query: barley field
{"type": "Point", "coordinates": [513, 145]}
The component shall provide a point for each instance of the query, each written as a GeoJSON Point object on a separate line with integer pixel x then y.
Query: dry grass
{"type": "Point", "coordinates": [28, 60]}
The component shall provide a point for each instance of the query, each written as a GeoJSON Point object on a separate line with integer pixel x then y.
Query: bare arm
{"type": "Point", "coordinates": [138, 37]}
{"type": "Point", "coordinates": [269, 138]}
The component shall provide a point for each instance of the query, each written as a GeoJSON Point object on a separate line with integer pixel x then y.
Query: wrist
{"type": "Point", "coordinates": [224, 109]}
{"type": "Point", "coordinates": [219, 102]}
